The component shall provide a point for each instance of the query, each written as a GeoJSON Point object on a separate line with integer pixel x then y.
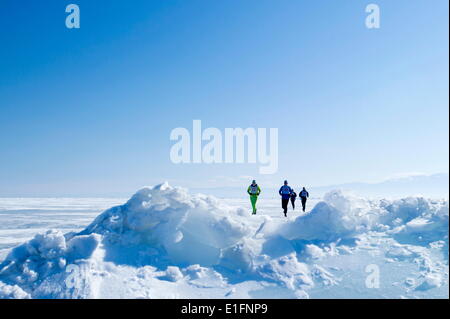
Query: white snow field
{"type": "Point", "coordinates": [167, 243]}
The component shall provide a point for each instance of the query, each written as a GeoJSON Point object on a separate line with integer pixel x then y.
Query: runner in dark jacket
{"type": "Point", "coordinates": [293, 198]}
{"type": "Point", "coordinates": [285, 193]}
{"type": "Point", "coordinates": [304, 197]}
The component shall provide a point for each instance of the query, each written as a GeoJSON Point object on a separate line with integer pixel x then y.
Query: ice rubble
{"type": "Point", "coordinates": [163, 238]}
{"type": "Point", "coordinates": [12, 292]}
{"type": "Point", "coordinates": [187, 229]}
{"type": "Point", "coordinates": [342, 215]}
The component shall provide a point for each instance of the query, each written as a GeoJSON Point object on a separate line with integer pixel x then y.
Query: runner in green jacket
{"type": "Point", "coordinates": [253, 190]}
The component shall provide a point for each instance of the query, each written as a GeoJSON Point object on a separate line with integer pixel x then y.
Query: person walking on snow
{"type": "Point", "coordinates": [253, 190]}
{"type": "Point", "coordinates": [285, 193]}
{"type": "Point", "coordinates": [304, 196]}
{"type": "Point", "coordinates": [293, 198]}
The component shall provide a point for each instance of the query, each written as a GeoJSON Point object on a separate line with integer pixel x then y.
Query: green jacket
{"type": "Point", "coordinates": [254, 190]}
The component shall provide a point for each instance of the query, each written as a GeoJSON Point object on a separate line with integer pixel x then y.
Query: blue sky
{"type": "Point", "coordinates": [89, 111]}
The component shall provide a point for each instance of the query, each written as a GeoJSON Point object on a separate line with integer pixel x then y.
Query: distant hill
{"type": "Point", "coordinates": [435, 186]}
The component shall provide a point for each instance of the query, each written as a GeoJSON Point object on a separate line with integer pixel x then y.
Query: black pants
{"type": "Point", "coordinates": [284, 204]}
{"type": "Point", "coordinates": [293, 202]}
{"type": "Point", "coordinates": [304, 203]}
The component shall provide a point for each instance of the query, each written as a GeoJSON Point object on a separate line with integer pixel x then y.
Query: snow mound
{"type": "Point", "coordinates": [45, 255]}
{"type": "Point", "coordinates": [187, 229]}
{"type": "Point", "coordinates": [288, 270]}
{"type": "Point", "coordinates": [160, 225]}
{"type": "Point", "coordinates": [341, 215]}
{"type": "Point", "coordinates": [418, 220]}
{"type": "Point", "coordinates": [12, 292]}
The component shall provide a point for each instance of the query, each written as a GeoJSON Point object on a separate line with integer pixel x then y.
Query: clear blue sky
{"type": "Point", "coordinates": [89, 111]}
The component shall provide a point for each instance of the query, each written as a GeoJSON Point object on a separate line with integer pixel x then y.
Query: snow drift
{"type": "Point", "coordinates": [342, 215]}
{"type": "Point", "coordinates": [166, 243]}
{"type": "Point", "coordinates": [186, 229]}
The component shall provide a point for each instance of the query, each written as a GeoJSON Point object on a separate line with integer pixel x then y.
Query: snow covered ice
{"type": "Point", "coordinates": [167, 243]}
